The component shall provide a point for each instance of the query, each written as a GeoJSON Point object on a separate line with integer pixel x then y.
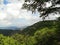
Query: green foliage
{"type": "Point", "coordinates": [45, 35]}
{"type": "Point", "coordinates": [19, 37]}
{"type": "Point", "coordinates": [24, 40]}
{"type": "Point", "coordinates": [7, 40]}
{"type": "Point", "coordinates": [41, 33]}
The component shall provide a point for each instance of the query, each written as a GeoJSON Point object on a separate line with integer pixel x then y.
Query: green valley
{"type": "Point", "coordinates": [41, 33]}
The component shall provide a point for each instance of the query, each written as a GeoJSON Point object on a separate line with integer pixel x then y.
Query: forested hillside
{"type": "Point", "coordinates": [40, 25]}
{"type": "Point", "coordinates": [41, 33]}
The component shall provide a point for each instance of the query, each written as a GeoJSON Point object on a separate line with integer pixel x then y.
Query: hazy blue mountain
{"type": "Point", "coordinates": [13, 28]}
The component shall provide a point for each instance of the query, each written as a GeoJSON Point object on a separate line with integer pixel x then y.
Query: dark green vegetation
{"type": "Point", "coordinates": [41, 33]}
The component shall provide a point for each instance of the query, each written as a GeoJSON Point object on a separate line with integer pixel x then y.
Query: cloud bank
{"type": "Point", "coordinates": [11, 14]}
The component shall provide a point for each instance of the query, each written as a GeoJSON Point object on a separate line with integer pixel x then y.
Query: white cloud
{"type": "Point", "coordinates": [2, 15]}
{"type": "Point", "coordinates": [12, 15]}
{"type": "Point", "coordinates": [4, 23]}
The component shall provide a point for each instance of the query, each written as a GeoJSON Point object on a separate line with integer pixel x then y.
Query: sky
{"type": "Point", "coordinates": [11, 14]}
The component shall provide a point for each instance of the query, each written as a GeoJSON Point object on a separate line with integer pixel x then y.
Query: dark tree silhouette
{"type": "Point", "coordinates": [40, 6]}
{"type": "Point", "coordinates": [58, 19]}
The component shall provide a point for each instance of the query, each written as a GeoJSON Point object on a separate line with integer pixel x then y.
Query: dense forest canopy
{"type": "Point", "coordinates": [44, 7]}
{"type": "Point", "coordinates": [41, 33]}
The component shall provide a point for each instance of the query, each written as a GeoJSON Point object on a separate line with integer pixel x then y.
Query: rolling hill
{"type": "Point", "coordinates": [40, 25]}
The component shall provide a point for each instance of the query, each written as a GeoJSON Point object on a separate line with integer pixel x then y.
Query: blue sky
{"type": "Point", "coordinates": [6, 2]}
{"type": "Point", "coordinates": [11, 14]}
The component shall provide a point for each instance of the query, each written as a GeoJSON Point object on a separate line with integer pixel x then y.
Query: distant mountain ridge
{"type": "Point", "coordinates": [13, 28]}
